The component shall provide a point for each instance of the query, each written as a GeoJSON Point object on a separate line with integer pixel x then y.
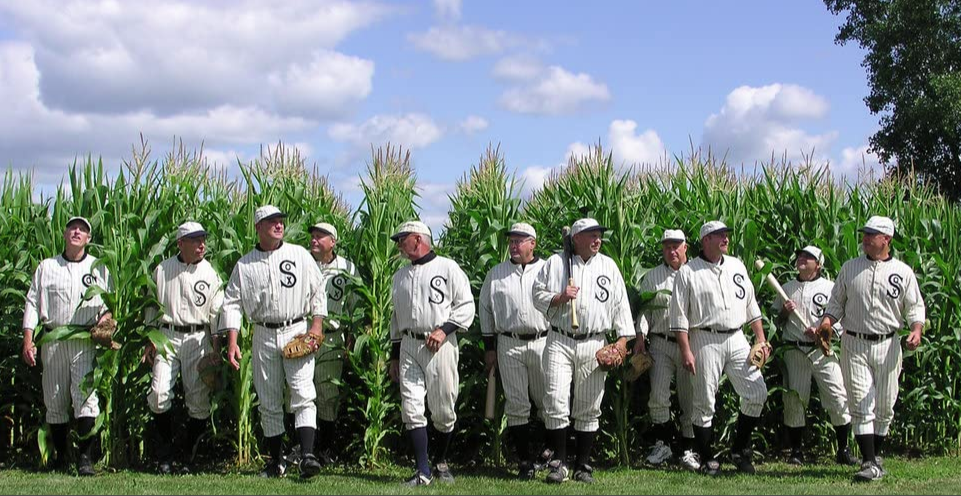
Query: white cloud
{"type": "Point", "coordinates": [534, 177]}
{"type": "Point", "coordinates": [556, 92]}
{"type": "Point", "coordinates": [410, 130]}
{"type": "Point", "coordinates": [755, 123]}
{"type": "Point", "coordinates": [447, 9]}
{"type": "Point", "coordinates": [459, 43]}
{"type": "Point", "coordinates": [575, 150]}
{"type": "Point", "coordinates": [473, 124]}
{"type": "Point", "coordinates": [328, 86]}
{"type": "Point", "coordinates": [434, 203]}
{"type": "Point", "coordinates": [518, 68]}
{"type": "Point", "coordinates": [629, 148]}
{"type": "Point", "coordinates": [858, 162]}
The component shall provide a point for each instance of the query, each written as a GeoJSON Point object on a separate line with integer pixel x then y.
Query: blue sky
{"type": "Point", "coordinates": [443, 78]}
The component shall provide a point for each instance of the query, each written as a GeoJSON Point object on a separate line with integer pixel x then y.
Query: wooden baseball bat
{"type": "Point", "coordinates": [569, 253]}
{"type": "Point", "coordinates": [776, 286]}
{"type": "Point", "coordinates": [491, 404]}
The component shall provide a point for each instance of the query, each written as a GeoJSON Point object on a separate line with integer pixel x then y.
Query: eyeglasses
{"type": "Point", "coordinates": [517, 242]}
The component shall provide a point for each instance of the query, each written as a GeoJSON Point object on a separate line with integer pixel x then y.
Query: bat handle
{"type": "Point", "coordinates": [574, 323]}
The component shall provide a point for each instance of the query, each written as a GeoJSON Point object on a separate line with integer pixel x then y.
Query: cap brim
{"type": "Point", "coordinates": [592, 228]}
{"type": "Point", "coordinates": [721, 230]}
{"type": "Point", "coordinates": [274, 216]}
{"type": "Point", "coordinates": [518, 233]}
{"type": "Point", "coordinates": [311, 230]}
{"type": "Point", "coordinates": [399, 235]}
{"type": "Point", "coordinates": [195, 234]}
{"type": "Point", "coordinates": [665, 240]}
{"type": "Point", "coordinates": [799, 252]}
{"type": "Point", "coordinates": [870, 230]}
{"type": "Point", "coordinates": [81, 222]}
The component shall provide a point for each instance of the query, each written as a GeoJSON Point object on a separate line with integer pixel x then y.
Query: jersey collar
{"type": "Point", "coordinates": [63, 255]}
{"type": "Point", "coordinates": [260, 248]}
{"type": "Point", "coordinates": [424, 259]}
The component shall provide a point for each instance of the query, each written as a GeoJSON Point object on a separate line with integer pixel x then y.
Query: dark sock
{"type": "Point", "coordinates": [866, 444]}
{"type": "Point", "coordinates": [522, 441]}
{"type": "Point", "coordinates": [557, 441]}
{"type": "Point", "coordinates": [745, 427]}
{"type": "Point", "coordinates": [443, 443]}
{"type": "Point", "coordinates": [689, 444]}
{"type": "Point", "coordinates": [703, 437]}
{"type": "Point", "coordinates": [59, 433]}
{"type": "Point", "coordinates": [84, 429]}
{"type": "Point", "coordinates": [165, 433]}
{"type": "Point", "coordinates": [662, 433]}
{"type": "Point", "coordinates": [274, 445]}
{"type": "Point", "coordinates": [195, 430]}
{"type": "Point", "coordinates": [878, 444]}
{"type": "Point", "coordinates": [418, 437]}
{"type": "Point", "coordinates": [585, 444]}
{"type": "Point", "coordinates": [842, 432]}
{"type": "Point", "coordinates": [325, 434]}
{"type": "Point", "coordinates": [796, 436]}
{"type": "Point", "coordinates": [306, 437]}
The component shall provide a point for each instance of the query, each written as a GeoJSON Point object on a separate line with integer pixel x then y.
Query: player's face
{"type": "Point", "coordinates": [521, 247]}
{"type": "Point", "coordinates": [675, 252]}
{"type": "Point", "coordinates": [192, 250]}
{"type": "Point", "coordinates": [76, 235]}
{"type": "Point", "coordinates": [408, 244]}
{"type": "Point", "coordinates": [321, 242]}
{"type": "Point", "coordinates": [587, 242]}
{"type": "Point", "coordinates": [874, 244]}
{"type": "Point", "coordinates": [717, 242]}
{"type": "Point", "coordinates": [806, 264]}
{"type": "Point", "coordinates": [271, 229]}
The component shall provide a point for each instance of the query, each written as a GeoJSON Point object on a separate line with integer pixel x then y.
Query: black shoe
{"type": "Point", "coordinates": [442, 473]}
{"type": "Point", "coordinates": [165, 468]}
{"type": "Point", "coordinates": [419, 479]}
{"type": "Point", "coordinates": [711, 467]}
{"type": "Point", "coordinates": [845, 457]}
{"type": "Point", "coordinates": [559, 472]}
{"type": "Point", "coordinates": [796, 459]}
{"type": "Point", "coordinates": [85, 467]}
{"type": "Point", "coordinates": [309, 466]}
{"type": "Point", "coordinates": [325, 459]}
{"type": "Point", "coordinates": [585, 474]}
{"type": "Point", "coordinates": [274, 469]}
{"type": "Point", "coordinates": [744, 462]}
{"type": "Point", "coordinates": [543, 460]}
{"type": "Point", "coordinates": [526, 471]}
{"type": "Point", "coordinates": [293, 457]}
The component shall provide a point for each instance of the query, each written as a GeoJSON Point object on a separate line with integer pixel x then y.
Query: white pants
{"type": "Point", "coordinates": [566, 361]}
{"type": "Point", "coordinates": [522, 375]}
{"type": "Point", "coordinates": [715, 354]}
{"type": "Point", "coordinates": [425, 375]}
{"type": "Point", "coordinates": [871, 370]}
{"type": "Point", "coordinates": [328, 370]}
{"type": "Point", "coordinates": [667, 366]}
{"type": "Point", "coordinates": [826, 371]}
{"type": "Point", "coordinates": [188, 349]}
{"type": "Point", "coordinates": [65, 365]}
{"type": "Point", "coordinates": [273, 374]}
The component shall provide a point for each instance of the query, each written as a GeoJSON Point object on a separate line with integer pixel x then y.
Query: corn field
{"type": "Point", "coordinates": [773, 212]}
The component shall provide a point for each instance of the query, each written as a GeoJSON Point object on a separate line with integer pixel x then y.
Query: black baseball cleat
{"type": "Point", "coordinates": [558, 472]}
{"type": "Point", "coordinates": [85, 467]}
{"type": "Point", "coordinates": [744, 461]}
{"type": "Point", "coordinates": [844, 457]}
{"type": "Point", "coordinates": [796, 459]}
{"type": "Point", "coordinates": [543, 460]}
{"type": "Point", "coordinates": [585, 474]}
{"type": "Point", "coordinates": [442, 473]}
{"type": "Point", "coordinates": [419, 479]}
{"type": "Point", "coordinates": [711, 468]}
{"type": "Point", "coordinates": [274, 469]}
{"type": "Point", "coordinates": [526, 471]}
{"type": "Point", "coordinates": [309, 466]}
{"type": "Point", "coordinates": [165, 468]}
{"type": "Point", "coordinates": [870, 471]}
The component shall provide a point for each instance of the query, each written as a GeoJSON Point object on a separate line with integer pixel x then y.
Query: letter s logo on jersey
{"type": "Point", "coordinates": [739, 282]}
{"type": "Point", "coordinates": [200, 290]}
{"type": "Point", "coordinates": [336, 290]}
{"type": "Point", "coordinates": [897, 285]}
{"type": "Point", "coordinates": [87, 280]}
{"type": "Point", "coordinates": [602, 293]}
{"type": "Point", "coordinates": [820, 301]}
{"type": "Point", "coordinates": [437, 285]}
{"type": "Point", "coordinates": [289, 279]}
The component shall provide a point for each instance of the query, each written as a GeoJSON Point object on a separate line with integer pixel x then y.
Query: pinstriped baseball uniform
{"type": "Point", "coordinates": [275, 287]}
{"type": "Point", "coordinates": [330, 359]}
{"type": "Point", "coordinates": [804, 359]}
{"type": "Point", "coordinates": [665, 352]}
{"type": "Point", "coordinates": [55, 299]}
{"type": "Point", "coordinates": [719, 297]}
{"type": "Point", "coordinates": [430, 293]}
{"type": "Point", "coordinates": [191, 296]}
{"type": "Point", "coordinates": [874, 299]}
{"type": "Point", "coordinates": [602, 306]}
{"type": "Point", "coordinates": [507, 310]}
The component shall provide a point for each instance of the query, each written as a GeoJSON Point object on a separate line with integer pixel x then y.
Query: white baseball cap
{"type": "Point", "coordinates": [713, 227]}
{"type": "Point", "coordinates": [267, 212]}
{"type": "Point", "coordinates": [324, 228]}
{"type": "Point", "coordinates": [814, 251]}
{"type": "Point", "coordinates": [522, 229]}
{"type": "Point", "coordinates": [877, 224]}
{"type": "Point", "coordinates": [190, 230]}
{"type": "Point", "coordinates": [80, 219]}
{"type": "Point", "coordinates": [673, 235]}
{"type": "Point", "coordinates": [586, 224]}
{"type": "Point", "coordinates": [410, 227]}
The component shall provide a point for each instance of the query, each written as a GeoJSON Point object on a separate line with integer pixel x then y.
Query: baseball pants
{"type": "Point", "coordinates": [188, 349]}
{"type": "Point", "coordinates": [425, 375]}
{"type": "Point", "coordinates": [871, 370]}
{"type": "Point", "coordinates": [328, 369]}
{"type": "Point", "coordinates": [667, 367]}
{"type": "Point", "coordinates": [522, 375]}
{"type": "Point", "coordinates": [826, 371]}
{"type": "Point", "coordinates": [566, 361]}
{"type": "Point", "coordinates": [65, 364]}
{"type": "Point", "coordinates": [715, 354]}
{"type": "Point", "coordinates": [271, 369]}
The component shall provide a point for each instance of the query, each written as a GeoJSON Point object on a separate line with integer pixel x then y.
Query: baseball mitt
{"type": "Point", "coordinates": [823, 339]}
{"type": "Point", "coordinates": [640, 362]}
{"type": "Point", "coordinates": [209, 369]}
{"type": "Point", "coordinates": [758, 357]}
{"type": "Point", "coordinates": [611, 356]}
{"type": "Point", "coordinates": [102, 333]}
{"type": "Point", "coordinates": [302, 345]}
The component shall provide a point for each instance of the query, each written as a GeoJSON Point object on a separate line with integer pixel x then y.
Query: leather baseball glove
{"type": "Point", "coordinates": [209, 369]}
{"type": "Point", "coordinates": [823, 339]}
{"type": "Point", "coordinates": [640, 363]}
{"type": "Point", "coordinates": [302, 345]}
{"type": "Point", "coordinates": [102, 333]}
{"type": "Point", "coordinates": [611, 356]}
{"type": "Point", "coordinates": [758, 357]}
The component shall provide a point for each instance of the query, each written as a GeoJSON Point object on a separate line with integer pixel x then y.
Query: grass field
{"type": "Point", "coordinates": [914, 476]}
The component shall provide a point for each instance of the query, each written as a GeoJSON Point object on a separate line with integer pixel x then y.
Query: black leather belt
{"type": "Point", "coordinates": [526, 336]}
{"type": "Point", "coordinates": [718, 331]}
{"type": "Point", "coordinates": [664, 336]}
{"type": "Point", "coordinates": [280, 325]}
{"type": "Point", "coordinates": [806, 344]}
{"type": "Point", "coordinates": [870, 337]}
{"type": "Point", "coordinates": [575, 337]}
{"type": "Point", "coordinates": [187, 329]}
{"type": "Point", "coordinates": [416, 335]}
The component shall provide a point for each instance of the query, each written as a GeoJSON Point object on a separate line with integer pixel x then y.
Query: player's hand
{"type": "Point", "coordinates": [436, 339]}
{"type": "Point", "coordinates": [234, 356]}
{"type": "Point", "coordinates": [914, 340]}
{"type": "Point", "coordinates": [490, 360]}
{"type": "Point", "coordinates": [790, 305]}
{"type": "Point", "coordinates": [149, 353]}
{"type": "Point", "coordinates": [393, 370]}
{"type": "Point", "coordinates": [29, 354]}
{"type": "Point", "coordinates": [811, 332]}
{"type": "Point", "coordinates": [639, 345]}
{"type": "Point", "coordinates": [569, 293]}
{"type": "Point", "coordinates": [687, 360]}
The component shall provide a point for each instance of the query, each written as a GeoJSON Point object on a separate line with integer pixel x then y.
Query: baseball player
{"type": "Point", "coordinates": [874, 296]}
{"type": "Point", "coordinates": [56, 299]}
{"type": "Point", "coordinates": [653, 323]}
{"type": "Point", "coordinates": [809, 295]}
{"type": "Point", "coordinates": [190, 295]}
{"type": "Point", "coordinates": [432, 299]}
{"type": "Point", "coordinates": [276, 286]}
{"type": "Point", "coordinates": [514, 334]}
{"type": "Point", "coordinates": [569, 355]}
{"type": "Point", "coordinates": [713, 299]}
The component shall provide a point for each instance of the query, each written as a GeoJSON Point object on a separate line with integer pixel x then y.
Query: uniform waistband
{"type": "Point", "coordinates": [280, 325]}
{"type": "Point", "coordinates": [527, 336]}
{"type": "Point", "coordinates": [186, 329]}
{"type": "Point", "coordinates": [806, 344]}
{"type": "Point", "coordinates": [663, 336]}
{"type": "Point", "coordinates": [576, 336]}
{"type": "Point", "coordinates": [718, 331]}
{"type": "Point", "coordinates": [870, 337]}
{"type": "Point", "coordinates": [422, 336]}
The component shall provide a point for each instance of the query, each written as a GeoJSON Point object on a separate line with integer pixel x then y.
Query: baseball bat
{"type": "Point", "coordinates": [489, 407]}
{"type": "Point", "coordinates": [569, 253]}
{"type": "Point", "coordinates": [776, 286]}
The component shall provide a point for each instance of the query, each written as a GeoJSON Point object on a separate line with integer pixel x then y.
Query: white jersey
{"type": "Point", "coordinates": [274, 286]}
{"type": "Point", "coordinates": [429, 293]}
{"type": "Point", "coordinates": [713, 296]}
{"type": "Point", "coordinates": [335, 283]}
{"type": "Point", "coordinates": [506, 304]}
{"type": "Point", "coordinates": [189, 294]}
{"type": "Point", "coordinates": [602, 303]}
{"type": "Point", "coordinates": [811, 298]}
{"type": "Point", "coordinates": [55, 297]}
{"type": "Point", "coordinates": [876, 296]}
{"type": "Point", "coordinates": [655, 318]}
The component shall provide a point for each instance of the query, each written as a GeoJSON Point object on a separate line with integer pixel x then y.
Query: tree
{"type": "Point", "coordinates": [914, 70]}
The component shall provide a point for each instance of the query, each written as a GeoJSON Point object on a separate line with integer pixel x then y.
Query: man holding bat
{"type": "Point", "coordinates": [514, 335]}
{"type": "Point", "coordinates": [798, 318]}
{"type": "Point", "coordinates": [583, 296]}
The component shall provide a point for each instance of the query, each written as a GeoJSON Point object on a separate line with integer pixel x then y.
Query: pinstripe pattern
{"type": "Point", "coordinates": [565, 362]}
{"type": "Point", "coordinates": [269, 369]}
{"type": "Point", "coordinates": [55, 299]}
{"type": "Point", "coordinates": [188, 349]}
{"type": "Point", "coordinates": [715, 354]}
{"type": "Point", "coordinates": [425, 375]}
{"type": "Point", "coordinates": [871, 370]}
{"type": "Point", "coordinates": [811, 298]}
{"type": "Point", "coordinates": [329, 365]}
{"type": "Point", "coordinates": [506, 307]}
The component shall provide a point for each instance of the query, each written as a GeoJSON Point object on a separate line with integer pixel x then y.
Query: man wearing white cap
{"type": "Point", "coordinates": [809, 295]}
{"type": "Point", "coordinates": [713, 299]}
{"type": "Point", "coordinates": [569, 355]}
{"type": "Point", "coordinates": [277, 286]}
{"type": "Point", "coordinates": [514, 334]}
{"type": "Point", "coordinates": [432, 299]}
{"type": "Point", "coordinates": [653, 322]}
{"type": "Point", "coordinates": [56, 299]}
{"type": "Point", "coordinates": [190, 294]}
{"type": "Point", "coordinates": [874, 297]}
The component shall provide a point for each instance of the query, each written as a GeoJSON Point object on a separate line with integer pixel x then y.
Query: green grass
{"type": "Point", "coordinates": [905, 476]}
